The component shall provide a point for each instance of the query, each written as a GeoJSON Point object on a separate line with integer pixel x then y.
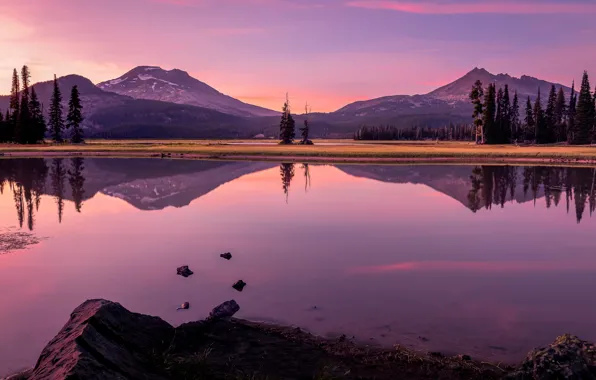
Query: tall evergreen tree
{"type": "Point", "coordinates": [550, 116]}
{"type": "Point", "coordinates": [490, 110]}
{"type": "Point", "coordinates": [571, 111]}
{"type": "Point", "coordinates": [38, 124]}
{"type": "Point", "coordinates": [499, 118]}
{"type": "Point", "coordinates": [14, 103]}
{"type": "Point", "coordinates": [539, 119]}
{"type": "Point", "coordinates": [515, 124]}
{"type": "Point", "coordinates": [584, 114]}
{"type": "Point", "coordinates": [506, 129]}
{"type": "Point", "coordinates": [287, 126]}
{"type": "Point", "coordinates": [24, 125]}
{"type": "Point", "coordinates": [75, 116]}
{"type": "Point", "coordinates": [476, 96]}
{"type": "Point", "coordinates": [560, 113]}
{"type": "Point", "coordinates": [56, 120]}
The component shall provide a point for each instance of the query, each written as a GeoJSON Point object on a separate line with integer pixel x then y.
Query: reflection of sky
{"type": "Point", "coordinates": [385, 261]}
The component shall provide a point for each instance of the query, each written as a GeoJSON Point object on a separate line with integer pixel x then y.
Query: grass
{"type": "Point", "coordinates": [344, 149]}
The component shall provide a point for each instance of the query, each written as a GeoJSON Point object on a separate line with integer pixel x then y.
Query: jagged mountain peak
{"type": "Point", "coordinates": [178, 86]}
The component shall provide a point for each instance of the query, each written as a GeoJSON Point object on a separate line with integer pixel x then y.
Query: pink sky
{"type": "Point", "coordinates": [324, 52]}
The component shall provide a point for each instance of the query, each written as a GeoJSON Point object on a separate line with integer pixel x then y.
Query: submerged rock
{"type": "Point", "coordinates": [567, 358]}
{"type": "Point", "coordinates": [239, 285]}
{"type": "Point", "coordinates": [226, 255]}
{"type": "Point", "coordinates": [184, 271]}
{"type": "Point", "coordinates": [103, 340]}
{"type": "Point", "coordinates": [184, 306]}
{"type": "Point", "coordinates": [225, 310]}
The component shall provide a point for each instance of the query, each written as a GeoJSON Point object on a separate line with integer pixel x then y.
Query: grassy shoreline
{"type": "Point", "coordinates": [322, 151]}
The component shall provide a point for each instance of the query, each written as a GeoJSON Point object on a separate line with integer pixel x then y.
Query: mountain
{"type": "Point", "coordinates": [447, 104]}
{"type": "Point", "coordinates": [112, 115]}
{"type": "Point", "coordinates": [177, 86]}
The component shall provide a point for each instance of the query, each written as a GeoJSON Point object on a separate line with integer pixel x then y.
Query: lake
{"type": "Point", "coordinates": [484, 260]}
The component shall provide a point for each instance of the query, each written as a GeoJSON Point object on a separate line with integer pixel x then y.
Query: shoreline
{"type": "Point", "coordinates": [104, 340]}
{"type": "Point", "coordinates": [326, 159]}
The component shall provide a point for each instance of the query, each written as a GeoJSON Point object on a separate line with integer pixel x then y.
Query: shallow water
{"type": "Point", "coordinates": [489, 261]}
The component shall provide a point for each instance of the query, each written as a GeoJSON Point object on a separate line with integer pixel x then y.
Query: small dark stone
{"type": "Point", "coordinates": [464, 357]}
{"type": "Point", "coordinates": [239, 286]}
{"type": "Point", "coordinates": [435, 354]}
{"type": "Point", "coordinates": [184, 271]}
{"type": "Point", "coordinates": [422, 338]}
{"type": "Point", "coordinates": [225, 310]}
{"type": "Point", "coordinates": [226, 255]}
{"type": "Point", "coordinates": [184, 306]}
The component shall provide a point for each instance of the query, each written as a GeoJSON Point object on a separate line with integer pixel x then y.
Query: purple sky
{"type": "Point", "coordinates": [326, 52]}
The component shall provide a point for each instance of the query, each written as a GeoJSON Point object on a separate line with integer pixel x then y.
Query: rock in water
{"type": "Point", "coordinates": [103, 340]}
{"type": "Point", "coordinates": [184, 271]}
{"type": "Point", "coordinates": [225, 310]}
{"type": "Point", "coordinates": [239, 286]}
{"type": "Point", "coordinates": [567, 358]}
{"type": "Point", "coordinates": [226, 255]}
{"type": "Point", "coordinates": [184, 306]}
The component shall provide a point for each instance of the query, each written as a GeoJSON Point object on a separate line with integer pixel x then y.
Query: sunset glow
{"type": "Point", "coordinates": [326, 52]}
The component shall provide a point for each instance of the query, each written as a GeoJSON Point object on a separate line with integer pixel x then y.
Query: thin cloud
{"type": "Point", "coordinates": [442, 8]}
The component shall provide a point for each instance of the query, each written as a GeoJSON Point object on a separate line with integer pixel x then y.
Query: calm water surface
{"type": "Point", "coordinates": [488, 261]}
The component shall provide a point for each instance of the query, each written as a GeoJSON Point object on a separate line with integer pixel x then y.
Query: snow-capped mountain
{"type": "Point", "coordinates": [177, 86]}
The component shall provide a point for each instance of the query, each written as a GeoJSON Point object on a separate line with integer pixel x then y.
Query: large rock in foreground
{"type": "Point", "coordinates": [103, 340]}
{"type": "Point", "coordinates": [567, 358]}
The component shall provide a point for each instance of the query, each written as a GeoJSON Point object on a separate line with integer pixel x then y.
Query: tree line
{"type": "Point", "coordinates": [28, 178]}
{"type": "Point", "coordinates": [461, 132]}
{"type": "Point", "coordinates": [497, 117]}
{"type": "Point", "coordinates": [287, 125]}
{"type": "Point", "coordinates": [24, 121]}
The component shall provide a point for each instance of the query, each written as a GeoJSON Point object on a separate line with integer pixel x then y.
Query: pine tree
{"type": "Point", "coordinates": [22, 132]}
{"type": "Point", "coordinates": [490, 109]}
{"type": "Point", "coordinates": [539, 119]}
{"type": "Point", "coordinates": [14, 103]}
{"type": "Point", "coordinates": [56, 121]}
{"type": "Point", "coordinates": [476, 96]}
{"type": "Point", "coordinates": [287, 127]}
{"type": "Point", "coordinates": [499, 119]}
{"type": "Point", "coordinates": [506, 128]}
{"type": "Point", "coordinates": [3, 134]}
{"type": "Point", "coordinates": [571, 111]}
{"type": "Point", "coordinates": [38, 124]}
{"type": "Point", "coordinates": [560, 112]}
{"type": "Point", "coordinates": [550, 117]}
{"type": "Point", "coordinates": [515, 125]}
{"type": "Point", "coordinates": [584, 115]}
{"type": "Point", "coordinates": [75, 116]}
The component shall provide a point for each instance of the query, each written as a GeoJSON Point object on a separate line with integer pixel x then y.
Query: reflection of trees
{"type": "Point", "coordinates": [306, 169]}
{"type": "Point", "coordinates": [77, 181]}
{"type": "Point", "coordinates": [287, 174]}
{"type": "Point", "coordinates": [57, 176]}
{"type": "Point", "coordinates": [26, 178]}
{"type": "Point", "coordinates": [495, 185]}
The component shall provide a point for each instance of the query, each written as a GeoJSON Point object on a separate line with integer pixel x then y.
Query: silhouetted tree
{"type": "Point", "coordinates": [514, 117]}
{"type": "Point", "coordinates": [584, 116]}
{"type": "Point", "coordinates": [38, 124]}
{"type": "Point", "coordinates": [571, 111]}
{"type": "Point", "coordinates": [500, 119]}
{"type": "Point", "coordinates": [56, 120]}
{"type": "Point", "coordinates": [550, 118]}
{"type": "Point", "coordinates": [14, 104]}
{"type": "Point", "coordinates": [477, 98]}
{"type": "Point", "coordinates": [490, 110]}
{"type": "Point", "coordinates": [529, 122]}
{"type": "Point", "coordinates": [287, 129]}
{"type": "Point", "coordinates": [77, 181]}
{"type": "Point", "coordinates": [57, 175]}
{"type": "Point", "coordinates": [306, 129]}
{"type": "Point", "coordinates": [539, 119]}
{"type": "Point", "coordinates": [560, 113]}
{"type": "Point", "coordinates": [75, 116]}
{"type": "Point", "coordinates": [23, 125]}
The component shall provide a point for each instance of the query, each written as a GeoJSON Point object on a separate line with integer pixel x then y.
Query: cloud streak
{"type": "Point", "coordinates": [452, 8]}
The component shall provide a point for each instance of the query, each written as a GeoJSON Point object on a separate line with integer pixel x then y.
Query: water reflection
{"type": "Point", "coordinates": [495, 185]}
{"type": "Point", "coordinates": [77, 181]}
{"type": "Point", "coordinates": [287, 175]}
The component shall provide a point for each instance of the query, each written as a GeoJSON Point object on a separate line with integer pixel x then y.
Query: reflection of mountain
{"type": "Point", "coordinates": [452, 180]}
